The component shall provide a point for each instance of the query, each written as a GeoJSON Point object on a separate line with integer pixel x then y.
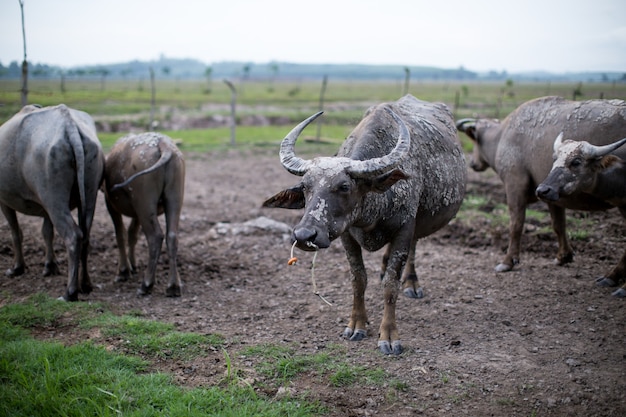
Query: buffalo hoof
{"type": "Point", "coordinates": [123, 275]}
{"type": "Point", "coordinates": [503, 268]}
{"type": "Point", "coordinates": [15, 272]}
{"type": "Point", "coordinates": [86, 288]}
{"type": "Point", "coordinates": [144, 290]}
{"type": "Point", "coordinates": [50, 269]}
{"type": "Point", "coordinates": [395, 348]}
{"type": "Point", "coordinates": [563, 260]}
{"type": "Point", "coordinates": [354, 336]}
{"type": "Point", "coordinates": [412, 293]}
{"type": "Point", "coordinates": [69, 297]}
{"type": "Point", "coordinates": [620, 293]}
{"type": "Point", "coordinates": [605, 282]}
{"type": "Point", "coordinates": [173, 291]}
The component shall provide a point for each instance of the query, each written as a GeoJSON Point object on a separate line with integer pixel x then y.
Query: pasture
{"type": "Point", "coordinates": [541, 340]}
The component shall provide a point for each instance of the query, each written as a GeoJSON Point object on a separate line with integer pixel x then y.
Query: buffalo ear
{"type": "Point", "coordinates": [291, 198]}
{"type": "Point", "coordinates": [608, 160]}
{"type": "Point", "coordinates": [383, 182]}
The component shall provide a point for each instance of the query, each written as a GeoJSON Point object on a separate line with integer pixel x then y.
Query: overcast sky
{"type": "Point", "coordinates": [480, 35]}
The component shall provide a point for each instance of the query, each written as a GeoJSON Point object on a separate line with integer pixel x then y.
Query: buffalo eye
{"type": "Point", "coordinates": [576, 162]}
{"type": "Point", "coordinates": [344, 187]}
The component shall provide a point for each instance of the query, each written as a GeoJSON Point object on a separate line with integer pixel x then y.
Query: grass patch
{"type": "Point", "coordinates": [283, 364]}
{"type": "Point", "coordinates": [204, 140]}
{"type": "Point", "coordinates": [42, 311]}
{"type": "Point", "coordinates": [43, 378]}
{"type": "Point", "coordinates": [153, 339]}
{"type": "Point", "coordinates": [350, 375]}
{"type": "Point", "coordinates": [51, 379]}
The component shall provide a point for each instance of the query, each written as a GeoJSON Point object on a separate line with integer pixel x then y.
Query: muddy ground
{"type": "Point", "coordinates": [539, 341]}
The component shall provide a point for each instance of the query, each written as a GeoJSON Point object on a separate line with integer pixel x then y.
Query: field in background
{"type": "Point", "coordinates": [282, 103]}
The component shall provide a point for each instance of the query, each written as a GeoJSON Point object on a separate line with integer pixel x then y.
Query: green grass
{"type": "Point", "coordinates": [153, 339]}
{"type": "Point", "coordinates": [47, 378]}
{"type": "Point", "coordinates": [283, 364]}
{"type": "Point", "coordinates": [204, 140]}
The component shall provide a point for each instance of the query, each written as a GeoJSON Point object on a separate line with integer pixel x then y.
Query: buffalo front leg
{"type": "Point", "coordinates": [615, 277]}
{"type": "Point", "coordinates": [517, 214]}
{"type": "Point", "coordinates": [389, 337]}
{"type": "Point", "coordinates": [51, 266]}
{"type": "Point", "coordinates": [565, 253]}
{"type": "Point", "coordinates": [17, 237]}
{"type": "Point", "coordinates": [356, 329]}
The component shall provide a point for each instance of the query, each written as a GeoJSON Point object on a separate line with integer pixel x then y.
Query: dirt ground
{"type": "Point", "coordinates": [539, 341]}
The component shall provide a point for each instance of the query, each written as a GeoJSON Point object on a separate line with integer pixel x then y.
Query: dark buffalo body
{"type": "Point", "coordinates": [144, 178]}
{"type": "Point", "coordinates": [399, 176]}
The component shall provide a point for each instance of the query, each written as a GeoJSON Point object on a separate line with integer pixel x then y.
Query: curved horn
{"type": "Point", "coordinates": [594, 151]}
{"type": "Point", "coordinates": [288, 158]}
{"type": "Point", "coordinates": [378, 166]}
{"type": "Point", "coordinates": [557, 142]}
{"type": "Point", "coordinates": [463, 124]}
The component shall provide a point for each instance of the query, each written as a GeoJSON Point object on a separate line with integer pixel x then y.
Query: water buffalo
{"type": "Point", "coordinates": [144, 178]}
{"type": "Point", "coordinates": [399, 176]}
{"type": "Point", "coordinates": [590, 173]}
{"type": "Point", "coordinates": [519, 149]}
{"type": "Point", "coordinates": [51, 162]}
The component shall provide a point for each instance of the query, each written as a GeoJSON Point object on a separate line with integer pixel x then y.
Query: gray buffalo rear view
{"type": "Point", "coordinates": [50, 163]}
{"type": "Point", "coordinates": [399, 176]}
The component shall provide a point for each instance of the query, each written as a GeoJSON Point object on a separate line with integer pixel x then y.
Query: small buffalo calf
{"type": "Point", "coordinates": [144, 178]}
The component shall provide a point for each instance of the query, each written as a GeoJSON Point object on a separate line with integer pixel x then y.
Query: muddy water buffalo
{"type": "Point", "coordinates": [519, 149]}
{"type": "Point", "coordinates": [51, 162]}
{"type": "Point", "coordinates": [144, 178]}
{"type": "Point", "coordinates": [399, 176]}
{"type": "Point", "coordinates": [590, 173]}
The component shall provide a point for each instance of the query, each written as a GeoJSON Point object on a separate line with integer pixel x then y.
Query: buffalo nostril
{"type": "Point", "coordinates": [304, 234]}
{"type": "Point", "coordinates": [546, 192]}
{"type": "Point", "coordinates": [542, 190]}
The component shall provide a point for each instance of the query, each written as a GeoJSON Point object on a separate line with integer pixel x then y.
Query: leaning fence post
{"type": "Point", "coordinates": [233, 101]}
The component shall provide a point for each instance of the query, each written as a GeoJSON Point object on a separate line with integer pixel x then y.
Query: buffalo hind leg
{"type": "Point", "coordinates": [123, 267]}
{"type": "Point", "coordinates": [172, 217]}
{"type": "Point", "coordinates": [72, 237]}
{"type": "Point", "coordinates": [16, 234]}
{"type": "Point", "coordinates": [51, 266]}
{"type": "Point", "coordinates": [133, 236]}
{"type": "Point", "coordinates": [154, 236]}
{"type": "Point", "coordinates": [410, 283]}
